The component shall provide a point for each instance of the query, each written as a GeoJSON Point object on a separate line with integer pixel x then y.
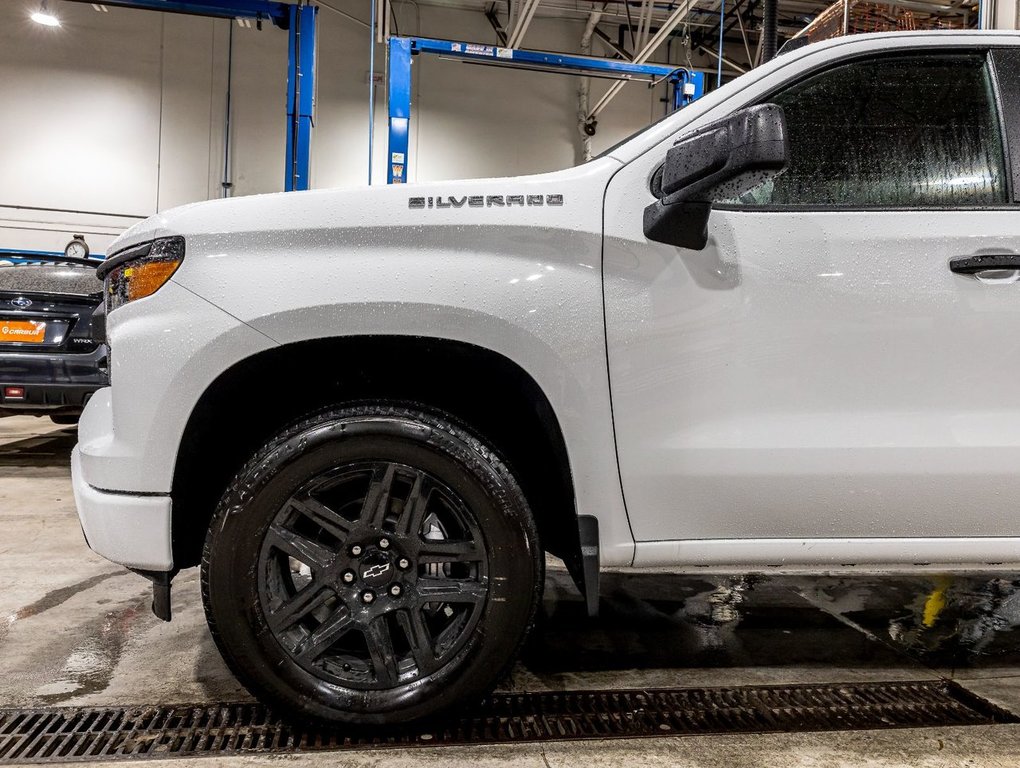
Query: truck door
{"type": "Point", "coordinates": [829, 367]}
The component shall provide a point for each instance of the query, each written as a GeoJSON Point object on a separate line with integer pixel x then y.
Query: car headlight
{"type": "Point", "coordinates": [140, 272]}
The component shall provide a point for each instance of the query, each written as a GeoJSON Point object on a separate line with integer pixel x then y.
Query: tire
{"type": "Point", "coordinates": [371, 565]}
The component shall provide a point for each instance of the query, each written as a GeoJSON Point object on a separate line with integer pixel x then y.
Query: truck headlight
{"type": "Point", "coordinates": [141, 271]}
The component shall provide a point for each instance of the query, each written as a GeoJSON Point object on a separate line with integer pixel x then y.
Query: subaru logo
{"type": "Point", "coordinates": [21, 302]}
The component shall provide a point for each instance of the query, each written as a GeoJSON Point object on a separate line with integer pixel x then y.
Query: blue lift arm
{"type": "Point", "coordinates": [299, 21]}
{"type": "Point", "coordinates": [686, 85]}
{"type": "Point", "coordinates": [276, 12]}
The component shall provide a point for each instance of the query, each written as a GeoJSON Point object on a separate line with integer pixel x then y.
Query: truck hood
{"type": "Point", "coordinates": [542, 200]}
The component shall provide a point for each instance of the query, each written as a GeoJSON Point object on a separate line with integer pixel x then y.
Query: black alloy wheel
{"type": "Point", "coordinates": [373, 575]}
{"type": "Point", "coordinates": [371, 565]}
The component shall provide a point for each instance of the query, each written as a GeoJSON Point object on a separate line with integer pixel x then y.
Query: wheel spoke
{"type": "Point", "coordinates": [335, 525]}
{"type": "Point", "coordinates": [447, 551]}
{"type": "Point", "coordinates": [300, 547]}
{"type": "Point", "coordinates": [418, 637]}
{"type": "Point", "coordinates": [380, 647]}
{"type": "Point", "coordinates": [377, 501]}
{"type": "Point", "coordinates": [344, 528]}
{"type": "Point", "coordinates": [327, 633]}
{"type": "Point", "coordinates": [432, 590]}
{"type": "Point", "coordinates": [297, 607]}
{"type": "Point", "coordinates": [409, 522]}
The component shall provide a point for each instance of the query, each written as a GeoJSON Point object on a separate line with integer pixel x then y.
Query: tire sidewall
{"type": "Point", "coordinates": [259, 492]}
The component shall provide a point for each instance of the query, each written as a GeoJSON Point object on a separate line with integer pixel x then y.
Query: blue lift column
{"type": "Point", "coordinates": [686, 85]}
{"type": "Point", "coordinates": [399, 101]}
{"type": "Point", "coordinates": [300, 95]}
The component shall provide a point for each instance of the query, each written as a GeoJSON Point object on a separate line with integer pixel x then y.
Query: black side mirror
{"type": "Point", "coordinates": [718, 162]}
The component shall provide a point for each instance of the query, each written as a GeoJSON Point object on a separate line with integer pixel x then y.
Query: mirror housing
{"type": "Point", "coordinates": [720, 161]}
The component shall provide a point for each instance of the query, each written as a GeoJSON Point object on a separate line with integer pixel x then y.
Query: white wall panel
{"type": "Point", "coordinates": [123, 112]}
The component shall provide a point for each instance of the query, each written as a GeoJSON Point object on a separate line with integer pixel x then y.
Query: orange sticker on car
{"type": "Point", "coordinates": [22, 331]}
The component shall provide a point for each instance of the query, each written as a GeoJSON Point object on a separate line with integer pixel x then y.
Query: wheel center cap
{"type": "Point", "coordinates": [376, 569]}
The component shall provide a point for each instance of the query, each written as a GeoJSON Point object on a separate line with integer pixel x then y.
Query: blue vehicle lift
{"type": "Point", "coordinates": [299, 21]}
{"type": "Point", "coordinates": [686, 85]}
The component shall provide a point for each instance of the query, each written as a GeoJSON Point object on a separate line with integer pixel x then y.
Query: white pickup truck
{"type": "Point", "coordinates": [778, 328]}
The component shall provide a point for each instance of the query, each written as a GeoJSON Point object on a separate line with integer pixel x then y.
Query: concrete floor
{"type": "Point", "coordinates": [75, 629]}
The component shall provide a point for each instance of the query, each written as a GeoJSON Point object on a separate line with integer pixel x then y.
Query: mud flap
{"type": "Point", "coordinates": [161, 581]}
{"type": "Point", "coordinates": [585, 569]}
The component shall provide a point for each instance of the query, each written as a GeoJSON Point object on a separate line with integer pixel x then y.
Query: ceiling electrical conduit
{"type": "Point", "coordinates": [584, 88]}
{"type": "Point", "coordinates": [523, 22]}
{"type": "Point", "coordinates": [645, 54]}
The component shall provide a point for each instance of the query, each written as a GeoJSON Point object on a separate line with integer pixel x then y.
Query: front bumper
{"type": "Point", "coordinates": [128, 528]}
{"type": "Point", "coordinates": [168, 348]}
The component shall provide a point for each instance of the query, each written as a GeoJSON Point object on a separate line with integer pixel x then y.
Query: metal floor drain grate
{"type": "Point", "coordinates": [52, 735]}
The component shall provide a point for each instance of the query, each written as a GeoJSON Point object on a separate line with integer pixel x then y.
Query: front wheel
{"type": "Point", "coordinates": [371, 565]}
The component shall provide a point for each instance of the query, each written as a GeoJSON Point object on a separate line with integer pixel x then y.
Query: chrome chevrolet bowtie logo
{"type": "Point", "coordinates": [21, 302]}
{"type": "Point", "coordinates": [483, 201]}
{"type": "Point", "coordinates": [375, 571]}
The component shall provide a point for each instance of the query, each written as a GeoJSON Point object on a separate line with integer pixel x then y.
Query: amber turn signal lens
{"type": "Point", "coordinates": [141, 272]}
{"type": "Point", "coordinates": [148, 277]}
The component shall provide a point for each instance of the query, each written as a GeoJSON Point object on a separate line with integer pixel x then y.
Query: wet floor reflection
{"type": "Point", "coordinates": [651, 621]}
{"type": "Point", "coordinates": [90, 665]}
{"type": "Point", "coordinates": [52, 449]}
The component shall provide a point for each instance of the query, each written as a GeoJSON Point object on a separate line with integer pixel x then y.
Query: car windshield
{"type": "Point", "coordinates": [49, 274]}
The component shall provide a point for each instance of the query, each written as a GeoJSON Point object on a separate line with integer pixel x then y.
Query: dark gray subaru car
{"type": "Point", "coordinates": [49, 363]}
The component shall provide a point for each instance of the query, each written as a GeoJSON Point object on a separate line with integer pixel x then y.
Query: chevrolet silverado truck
{"type": "Point", "coordinates": [776, 329]}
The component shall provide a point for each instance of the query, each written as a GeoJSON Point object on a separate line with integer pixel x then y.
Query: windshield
{"type": "Point", "coordinates": [54, 275]}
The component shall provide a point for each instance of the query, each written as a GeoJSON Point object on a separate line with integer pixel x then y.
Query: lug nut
{"type": "Point", "coordinates": [384, 543]}
{"type": "Point", "coordinates": [367, 597]}
{"type": "Point", "coordinates": [348, 577]}
{"type": "Point", "coordinates": [356, 550]}
{"type": "Point", "coordinates": [395, 590]}
{"type": "Point", "coordinates": [403, 563]}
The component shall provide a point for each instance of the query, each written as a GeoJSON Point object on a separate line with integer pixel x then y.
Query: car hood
{"type": "Point", "coordinates": [532, 200]}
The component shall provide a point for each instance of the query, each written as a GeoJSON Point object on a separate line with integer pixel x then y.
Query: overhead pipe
{"type": "Point", "coordinates": [585, 128]}
{"type": "Point", "coordinates": [227, 184]}
{"type": "Point", "coordinates": [371, 88]}
{"type": "Point", "coordinates": [770, 38]}
{"type": "Point", "coordinates": [521, 28]}
{"type": "Point", "coordinates": [722, 33]}
{"type": "Point", "coordinates": [743, 35]}
{"type": "Point", "coordinates": [985, 14]}
{"type": "Point", "coordinates": [644, 24]}
{"type": "Point", "coordinates": [722, 60]}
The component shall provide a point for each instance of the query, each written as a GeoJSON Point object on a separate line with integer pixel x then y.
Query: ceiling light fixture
{"type": "Point", "coordinates": [44, 17]}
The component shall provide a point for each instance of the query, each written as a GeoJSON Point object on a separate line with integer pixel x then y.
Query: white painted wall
{"type": "Point", "coordinates": [121, 114]}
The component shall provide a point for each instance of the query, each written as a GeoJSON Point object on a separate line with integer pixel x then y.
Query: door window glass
{"type": "Point", "coordinates": [917, 131]}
